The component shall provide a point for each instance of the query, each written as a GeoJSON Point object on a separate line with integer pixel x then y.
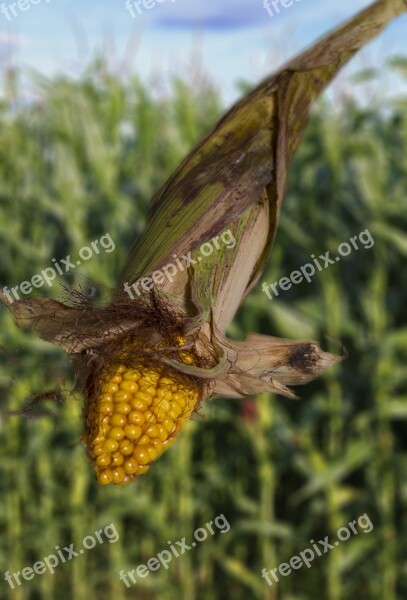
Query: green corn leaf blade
{"type": "Point", "coordinates": [357, 455]}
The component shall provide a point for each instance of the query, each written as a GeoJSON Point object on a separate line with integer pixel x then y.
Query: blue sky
{"type": "Point", "coordinates": [232, 39]}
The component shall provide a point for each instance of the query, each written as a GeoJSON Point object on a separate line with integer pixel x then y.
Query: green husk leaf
{"type": "Point", "coordinates": [243, 161]}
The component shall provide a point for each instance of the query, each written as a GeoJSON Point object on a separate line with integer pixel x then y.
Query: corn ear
{"type": "Point", "coordinates": [134, 418]}
{"type": "Point", "coordinates": [140, 395]}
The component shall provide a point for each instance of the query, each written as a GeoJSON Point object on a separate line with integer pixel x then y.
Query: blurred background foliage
{"type": "Point", "coordinates": [84, 160]}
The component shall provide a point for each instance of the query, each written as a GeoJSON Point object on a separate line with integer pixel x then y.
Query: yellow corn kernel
{"type": "Point", "coordinates": [161, 404]}
{"type": "Point", "coordinates": [139, 405]}
{"type": "Point", "coordinates": [152, 452]}
{"type": "Point", "coordinates": [110, 446]}
{"type": "Point", "coordinates": [122, 408]}
{"type": "Point", "coordinates": [118, 420]}
{"type": "Point", "coordinates": [143, 397]}
{"type": "Point", "coordinates": [130, 466]}
{"type": "Point", "coordinates": [116, 433]}
{"type": "Point", "coordinates": [143, 469]}
{"type": "Point", "coordinates": [158, 445]}
{"type": "Point", "coordinates": [106, 408]}
{"type": "Point", "coordinates": [97, 450]}
{"type": "Point", "coordinates": [163, 393]}
{"type": "Point", "coordinates": [118, 475]}
{"type": "Point", "coordinates": [159, 414]}
{"type": "Point", "coordinates": [118, 459]}
{"type": "Point", "coordinates": [131, 375]}
{"type": "Point", "coordinates": [162, 432]}
{"type": "Point", "coordinates": [144, 440]}
{"type": "Point", "coordinates": [129, 386]}
{"type": "Point", "coordinates": [105, 476]}
{"type": "Point", "coordinates": [126, 448]}
{"type": "Point", "coordinates": [133, 432]}
{"type": "Point", "coordinates": [147, 388]}
{"type": "Point", "coordinates": [110, 388]}
{"type": "Point", "coordinates": [141, 455]}
{"type": "Point", "coordinates": [173, 414]}
{"type": "Point", "coordinates": [136, 417]}
{"type": "Point", "coordinates": [169, 425]}
{"type": "Point", "coordinates": [103, 460]}
{"type": "Point", "coordinates": [175, 406]}
{"type": "Point", "coordinates": [152, 431]}
{"type": "Point", "coordinates": [106, 398]}
{"type": "Point", "coordinates": [148, 416]}
{"type": "Point", "coordinates": [123, 396]}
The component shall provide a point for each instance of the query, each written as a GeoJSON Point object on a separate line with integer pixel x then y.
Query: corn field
{"type": "Point", "coordinates": [83, 161]}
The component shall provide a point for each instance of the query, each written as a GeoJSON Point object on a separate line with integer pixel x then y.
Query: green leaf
{"type": "Point", "coordinates": [358, 453]}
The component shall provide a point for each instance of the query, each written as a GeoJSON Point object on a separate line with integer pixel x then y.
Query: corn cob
{"type": "Point", "coordinates": [135, 418]}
